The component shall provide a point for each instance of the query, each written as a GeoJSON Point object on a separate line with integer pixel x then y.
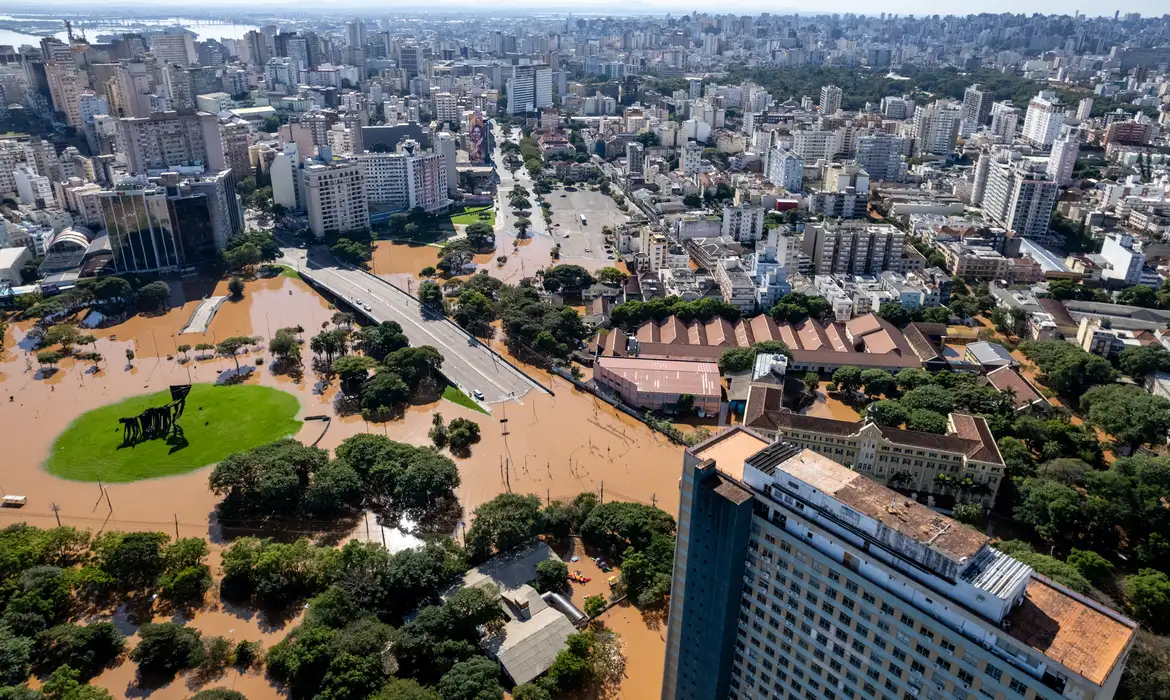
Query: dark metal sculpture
{"type": "Point", "coordinates": [156, 422]}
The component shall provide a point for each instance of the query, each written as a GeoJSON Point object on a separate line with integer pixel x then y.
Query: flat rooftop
{"type": "Point", "coordinates": [1085, 637]}
{"type": "Point", "coordinates": [669, 376]}
{"type": "Point", "coordinates": [730, 449]}
{"type": "Point", "coordinates": [897, 512]}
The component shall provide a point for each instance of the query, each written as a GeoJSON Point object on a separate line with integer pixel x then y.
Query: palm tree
{"type": "Point", "coordinates": [343, 318]}
{"type": "Point", "coordinates": [317, 344]}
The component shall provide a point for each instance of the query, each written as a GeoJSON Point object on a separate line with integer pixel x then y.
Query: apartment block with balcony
{"type": "Point", "coordinates": [796, 578]}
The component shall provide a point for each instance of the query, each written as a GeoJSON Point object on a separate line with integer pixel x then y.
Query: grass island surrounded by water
{"type": "Point", "coordinates": [217, 421]}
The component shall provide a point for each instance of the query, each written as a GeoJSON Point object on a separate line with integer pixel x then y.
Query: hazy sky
{"type": "Point", "coordinates": [903, 7]}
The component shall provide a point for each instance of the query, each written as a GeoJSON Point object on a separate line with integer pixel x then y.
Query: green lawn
{"type": "Point", "coordinates": [289, 272]}
{"type": "Point", "coordinates": [217, 421]}
{"type": "Point", "coordinates": [455, 396]}
{"type": "Point", "coordinates": [470, 215]}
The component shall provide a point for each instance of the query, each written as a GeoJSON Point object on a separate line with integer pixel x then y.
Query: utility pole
{"type": "Point", "coordinates": [57, 512]}
{"type": "Point", "coordinates": [603, 491]}
{"type": "Point", "coordinates": [176, 526]}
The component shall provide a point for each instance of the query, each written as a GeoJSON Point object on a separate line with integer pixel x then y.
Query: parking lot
{"type": "Point", "coordinates": [583, 241]}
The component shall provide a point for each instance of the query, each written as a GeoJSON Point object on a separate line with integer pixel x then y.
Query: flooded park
{"type": "Point", "coordinates": [552, 445]}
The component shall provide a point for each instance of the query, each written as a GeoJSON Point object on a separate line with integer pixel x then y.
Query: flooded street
{"type": "Point", "coordinates": [552, 446]}
{"type": "Point", "coordinates": [827, 406]}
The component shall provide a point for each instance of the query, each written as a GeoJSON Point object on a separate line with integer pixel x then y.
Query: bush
{"type": "Point", "coordinates": [969, 513]}
{"type": "Point", "coordinates": [1093, 566]}
{"type": "Point", "coordinates": [1148, 594]}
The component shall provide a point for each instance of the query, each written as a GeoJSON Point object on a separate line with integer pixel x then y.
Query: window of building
{"type": "Point", "coordinates": [994, 671]}
{"type": "Point", "coordinates": [1018, 686]}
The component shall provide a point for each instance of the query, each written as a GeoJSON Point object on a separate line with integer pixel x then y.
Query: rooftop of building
{"type": "Point", "coordinates": [730, 449]}
{"type": "Point", "coordinates": [697, 378]}
{"type": "Point", "coordinates": [1085, 637]}
{"type": "Point", "coordinates": [897, 512]}
{"type": "Point", "coordinates": [1004, 378]}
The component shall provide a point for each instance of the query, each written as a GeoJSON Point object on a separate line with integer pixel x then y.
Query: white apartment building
{"type": "Point", "coordinates": [406, 179]}
{"type": "Point", "coordinates": [1125, 263]}
{"type": "Point", "coordinates": [975, 111]}
{"type": "Point", "coordinates": [796, 576]}
{"type": "Point", "coordinates": [692, 158]}
{"type": "Point", "coordinates": [735, 284]}
{"type": "Point", "coordinates": [831, 96]}
{"type": "Point", "coordinates": [529, 89]}
{"type": "Point", "coordinates": [785, 169]}
{"type": "Point", "coordinates": [1018, 196]}
{"type": "Point", "coordinates": [1063, 158]}
{"type": "Point", "coordinates": [812, 145]}
{"type": "Point", "coordinates": [1044, 119]}
{"type": "Point", "coordinates": [853, 248]}
{"type": "Point", "coordinates": [335, 197]}
{"type": "Point", "coordinates": [66, 84]}
{"type": "Point", "coordinates": [31, 187]}
{"type": "Point", "coordinates": [1004, 119]}
{"type": "Point", "coordinates": [283, 173]}
{"type": "Point", "coordinates": [447, 108]}
{"type": "Point", "coordinates": [935, 128]}
{"type": "Point", "coordinates": [744, 223]}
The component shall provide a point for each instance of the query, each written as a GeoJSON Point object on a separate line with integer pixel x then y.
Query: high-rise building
{"type": "Point", "coordinates": [1085, 108]}
{"type": "Point", "coordinates": [880, 155]}
{"type": "Point", "coordinates": [785, 169]}
{"type": "Point", "coordinates": [170, 140]}
{"type": "Point", "coordinates": [798, 577]}
{"type": "Point", "coordinates": [66, 84]}
{"type": "Point", "coordinates": [1019, 196]}
{"type": "Point", "coordinates": [831, 96]}
{"type": "Point", "coordinates": [976, 110]}
{"type": "Point", "coordinates": [935, 128]}
{"type": "Point", "coordinates": [446, 146]}
{"type": "Point", "coordinates": [447, 108]}
{"type": "Point", "coordinates": [635, 158]}
{"type": "Point", "coordinates": [897, 107]}
{"type": "Point", "coordinates": [1063, 158]}
{"type": "Point", "coordinates": [1004, 118]}
{"type": "Point", "coordinates": [256, 49]}
{"type": "Point", "coordinates": [1043, 120]}
{"type": "Point", "coordinates": [237, 139]}
{"type": "Point", "coordinates": [283, 172]}
{"type": "Point", "coordinates": [335, 197]}
{"type": "Point", "coordinates": [178, 49]}
{"type": "Point", "coordinates": [529, 89]}
{"type": "Point", "coordinates": [407, 178]}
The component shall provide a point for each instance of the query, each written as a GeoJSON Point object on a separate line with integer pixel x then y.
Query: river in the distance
{"type": "Point", "coordinates": [202, 29]}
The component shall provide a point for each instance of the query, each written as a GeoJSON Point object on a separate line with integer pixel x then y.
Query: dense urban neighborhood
{"type": "Point", "coordinates": [441, 355]}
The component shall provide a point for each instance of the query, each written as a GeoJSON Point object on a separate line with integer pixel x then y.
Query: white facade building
{"type": "Point", "coordinates": [1044, 118]}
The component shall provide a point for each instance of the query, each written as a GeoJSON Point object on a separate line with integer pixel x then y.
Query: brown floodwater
{"type": "Point", "coordinates": [554, 446]}
{"type": "Point", "coordinates": [827, 406]}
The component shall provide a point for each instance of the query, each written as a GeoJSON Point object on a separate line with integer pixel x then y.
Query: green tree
{"type": "Point", "coordinates": [1052, 509]}
{"type": "Point", "coordinates": [462, 434]}
{"type": "Point", "coordinates": [381, 340]}
{"type": "Point", "coordinates": [1148, 595]}
{"type": "Point", "coordinates": [134, 559]}
{"type": "Point", "coordinates": [1133, 416]}
{"type": "Point", "coordinates": [503, 523]}
{"type": "Point", "coordinates": [63, 684]}
{"type": "Point", "coordinates": [474, 679]}
{"type": "Point", "coordinates": [165, 648]}
{"type": "Point", "coordinates": [1053, 568]}
{"type": "Point", "coordinates": [926, 421]}
{"type": "Point", "coordinates": [409, 689]}
{"type": "Point", "coordinates": [1068, 369]}
{"type": "Point", "coordinates": [847, 379]}
{"type": "Point", "coordinates": [219, 694]}
{"type": "Point", "coordinates": [353, 371]}
{"type": "Point", "coordinates": [430, 294]}
{"type": "Point", "coordinates": [1138, 296]}
{"type": "Point", "coordinates": [1141, 360]}
{"type": "Point", "coordinates": [929, 398]}
{"type": "Point", "coordinates": [594, 605]}
{"type": "Point", "coordinates": [236, 287]}
{"type": "Point", "coordinates": [87, 648]}
{"type": "Point", "coordinates": [895, 313]}
{"type": "Point", "coordinates": [154, 296]}
{"type": "Point", "coordinates": [1092, 566]}
{"type": "Point", "coordinates": [480, 235]}
{"type": "Point", "coordinates": [878, 382]}
{"type": "Point", "coordinates": [14, 657]}
{"type": "Point", "coordinates": [551, 575]}
{"type": "Point", "coordinates": [230, 347]}
{"type": "Point", "coordinates": [888, 413]}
